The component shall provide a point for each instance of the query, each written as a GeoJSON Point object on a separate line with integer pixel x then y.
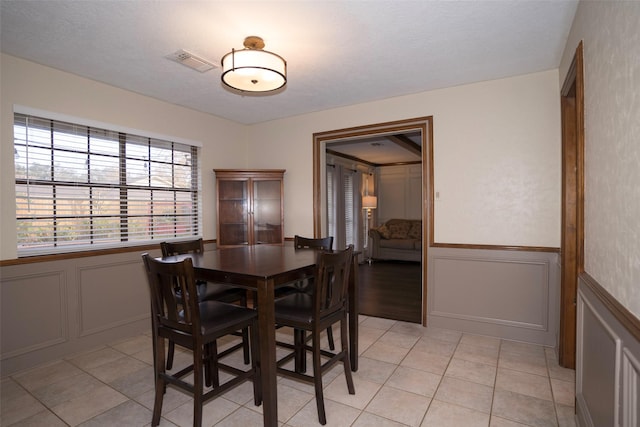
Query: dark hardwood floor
{"type": "Point", "coordinates": [392, 290]}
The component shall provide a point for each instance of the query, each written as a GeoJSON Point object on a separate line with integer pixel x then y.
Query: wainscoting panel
{"type": "Point", "coordinates": [106, 301]}
{"type": "Point", "coordinates": [507, 294]}
{"type": "Point", "coordinates": [22, 296]}
{"type": "Point", "coordinates": [607, 360]}
{"type": "Point", "coordinates": [53, 309]}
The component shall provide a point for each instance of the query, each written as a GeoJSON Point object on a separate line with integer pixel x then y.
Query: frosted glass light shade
{"type": "Point", "coordinates": [253, 70]}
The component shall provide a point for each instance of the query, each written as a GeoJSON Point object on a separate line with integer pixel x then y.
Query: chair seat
{"type": "Point", "coordinates": [296, 308]}
{"type": "Point", "coordinates": [218, 316]}
{"type": "Point", "coordinates": [214, 291]}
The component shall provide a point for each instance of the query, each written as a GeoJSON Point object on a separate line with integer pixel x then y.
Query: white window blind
{"type": "Point", "coordinates": [80, 187]}
{"type": "Point", "coordinates": [349, 224]}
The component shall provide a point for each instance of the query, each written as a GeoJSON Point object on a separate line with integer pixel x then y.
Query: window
{"type": "Point", "coordinates": [80, 187]}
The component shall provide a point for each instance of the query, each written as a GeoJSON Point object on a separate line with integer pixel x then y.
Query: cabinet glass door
{"type": "Point", "coordinates": [267, 214]}
{"type": "Point", "coordinates": [233, 211]}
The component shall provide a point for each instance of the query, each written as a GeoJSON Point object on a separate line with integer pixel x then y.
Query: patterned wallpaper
{"type": "Point", "coordinates": [611, 37]}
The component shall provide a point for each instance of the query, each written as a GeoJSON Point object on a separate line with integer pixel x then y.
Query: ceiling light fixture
{"type": "Point", "coordinates": [253, 69]}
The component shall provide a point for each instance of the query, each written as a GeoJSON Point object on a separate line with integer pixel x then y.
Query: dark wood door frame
{"type": "Point", "coordinates": [572, 240]}
{"type": "Point", "coordinates": [423, 124]}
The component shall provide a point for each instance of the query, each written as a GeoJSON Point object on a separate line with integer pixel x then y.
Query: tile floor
{"type": "Point", "coordinates": [408, 376]}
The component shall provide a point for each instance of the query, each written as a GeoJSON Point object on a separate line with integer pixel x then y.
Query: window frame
{"type": "Point", "coordinates": [119, 233]}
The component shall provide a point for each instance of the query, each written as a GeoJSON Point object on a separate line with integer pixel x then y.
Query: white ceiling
{"type": "Point", "coordinates": [338, 52]}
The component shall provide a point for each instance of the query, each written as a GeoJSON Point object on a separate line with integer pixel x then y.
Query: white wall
{"type": "Point", "coordinates": [496, 150]}
{"type": "Point", "coordinates": [609, 31]}
{"type": "Point", "coordinates": [31, 85]}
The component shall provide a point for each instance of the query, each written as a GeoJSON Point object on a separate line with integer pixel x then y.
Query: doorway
{"type": "Point", "coordinates": [323, 140]}
{"type": "Point", "coordinates": [572, 240]}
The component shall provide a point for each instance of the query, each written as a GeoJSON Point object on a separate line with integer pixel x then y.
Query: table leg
{"type": "Point", "coordinates": [267, 337]}
{"type": "Point", "coordinates": [353, 314]}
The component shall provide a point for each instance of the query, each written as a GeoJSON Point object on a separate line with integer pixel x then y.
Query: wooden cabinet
{"type": "Point", "coordinates": [250, 206]}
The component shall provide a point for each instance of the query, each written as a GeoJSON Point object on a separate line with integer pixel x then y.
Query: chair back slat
{"type": "Point", "coordinates": [174, 299]}
{"type": "Point", "coordinates": [186, 247]}
{"type": "Point", "coordinates": [332, 278]}
{"type": "Point", "coordinates": [323, 243]}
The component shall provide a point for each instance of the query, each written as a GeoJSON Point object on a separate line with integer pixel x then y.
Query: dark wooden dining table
{"type": "Point", "coordinates": [263, 268]}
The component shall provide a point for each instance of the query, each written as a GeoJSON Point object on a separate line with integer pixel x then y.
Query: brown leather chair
{"type": "Point", "coordinates": [208, 291]}
{"type": "Point", "coordinates": [315, 312]}
{"type": "Point", "coordinates": [196, 325]}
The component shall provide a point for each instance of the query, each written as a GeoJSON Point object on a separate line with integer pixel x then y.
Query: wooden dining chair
{"type": "Point", "coordinates": [196, 325]}
{"type": "Point", "coordinates": [314, 312]}
{"type": "Point", "coordinates": [208, 291]}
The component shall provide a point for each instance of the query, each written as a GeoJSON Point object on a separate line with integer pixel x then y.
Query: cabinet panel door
{"type": "Point", "coordinates": [233, 212]}
{"type": "Point", "coordinates": [267, 211]}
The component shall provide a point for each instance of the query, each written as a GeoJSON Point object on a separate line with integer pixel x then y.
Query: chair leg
{"type": "Point", "coordinates": [346, 361]}
{"type": "Point", "coordinates": [300, 358]}
{"type": "Point", "coordinates": [213, 365]}
{"type": "Point", "coordinates": [197, 386]}
{"type": "Point", "coordinates": [255, 364]}
{"type": "Point", "coordinates": [172, 349]}
{"type": "Point", "coordinates": [332, 345]}
{"type": "Point", "coordinates": [160, 384]}
{"type": "Point", "coordinates": [246, 351]}
{"type": "Point", "coordinates": [317, 377]}
{"type": "Point", "coordinates": [245, 346]}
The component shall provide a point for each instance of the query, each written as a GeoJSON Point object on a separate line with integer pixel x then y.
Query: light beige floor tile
{"type": "Point", "coordinates": [95, 358]}
{"type": "Point", "coordinates": [442, 334]}
{"type": "Point", "coordinates": [474, 353]}
{"type": "Point", "coordinates": [400, 406]}
{"type": "Point", "coordinates": [367, 419]}
{"type": "Point", "coordinates": [566, 416]}
{"type": "Point", "coordinates": [522, 348]}
{"type": "Point", "coordinates": [414, 381]}
{"type": "Point", "coordinates": [290, 401]}
{"type": "Point", "coordinates": [385, 352]}
{"type": "Point", "coordinates": [378, 323]}
{"type": "Point", "coordinates": [472, 371]}
{"type": "Point", "coordinates": [524, 383]}
{"type": "Point", "coordinates": [89, 405]}
{"type": "Point", "coordinates": [502, 422]}
{"type": "Point", "coordinates": [443, 414]}
{"type": "Point", "coordinates": [129, 413]}
{"type": "Point", "coordinates": [367, 336]}
{"type": "Point", "coordinates": [45, 418]}
{"type": "Point", "coordinates": [213, 411]}
{"type": "Point", "coordinates": [435, 346]}
{"type": "Point", "coordinates": [480, 341]}
{"type": "Point", "coordinates": [171, 400]}
{"type": "Point", "coordinates": [464, 393]}
{"type": "Point", "coordinates": [564, 393]}
{"type": "Point", "coordinates": [398, 339]}
{"type": "Point", "coordinates": [46, 374]}
{"type": "Point", "coordinates": [523, 409]}
{"type": "Point", "coordinates": [338, 415]}
{"type": "Point", "coordinates": [16, 404]}
{"type": "Point", "coordinates": [365, 391]}
{"type": "Point", "coordinates": [408, 328]}
{"type": "Point", "coordinates": [241, 394]}
{"type": "Point", "coordinates": [426, 361]}
{"type": "Point", "coordinates": [135, 383]}
{"type": "Point", "coordinates": [111, 371]}
{"type": "Point", "coordinates": [133, 345]}
{"type": "Point", "coordinates": [531, 363]}
{"type": "Point", "coordinates": [558, 372]}
{"type": "Point", "coordinates": [242, 417]}
{"type": "Point", "coordinates": [67, 389]}
{"type": "Point", "coordinates": [373, 370]}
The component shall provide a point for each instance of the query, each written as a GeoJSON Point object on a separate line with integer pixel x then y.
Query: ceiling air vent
{"type": "Point", "coordinates": [192, 61]}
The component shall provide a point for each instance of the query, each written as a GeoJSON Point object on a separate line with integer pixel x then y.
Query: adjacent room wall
{"type": "Point", "coordinates": [608, 303]}
{"type": "Point", "coordinates": [496, 155]}
{"type": "Point", "coordinates": [31, 85]}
